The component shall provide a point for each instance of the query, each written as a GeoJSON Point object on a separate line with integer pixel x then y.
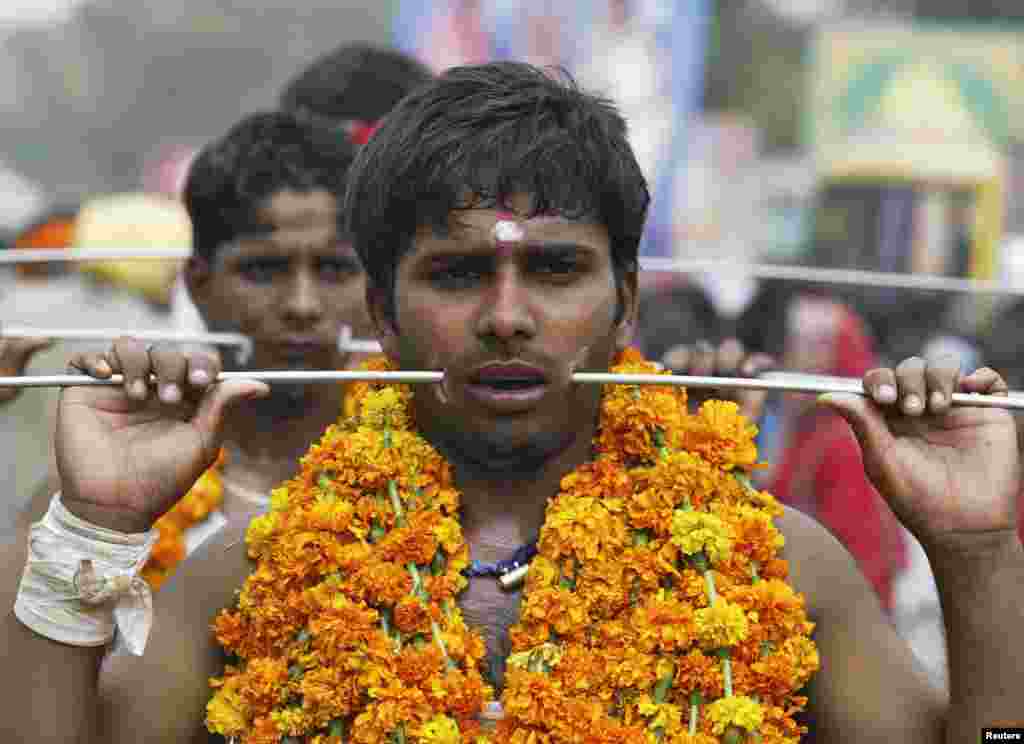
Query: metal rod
{"type": "Point", "coordinates": [105, 334]}
{"type": "Point", "coordinates": [797, 384]}
{"type": "Point", "coordinates": [345, 340]}
{"type": "Point", "coordinates": [924, 282]}
{"type": "Point", "coordinates": [61, 255]}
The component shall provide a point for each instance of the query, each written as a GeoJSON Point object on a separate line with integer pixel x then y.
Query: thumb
{"type": "Point", "coordinates": [864, 418]}
{"type": "Point", "coordinates": [210, 414]}
{"type": "Point", "coordinates": [17, 351]}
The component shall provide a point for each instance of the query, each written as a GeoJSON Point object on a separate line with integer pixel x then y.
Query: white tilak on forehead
{"type": "Point", "coordinates": [507, 230]}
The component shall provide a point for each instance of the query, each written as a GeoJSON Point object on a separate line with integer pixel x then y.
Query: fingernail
{"type": "Point", "coordinates": [199, 377]}
{"type": "Point", "coordinates": [936, 399]}
{"type": "Point", "coordinates": [912, 402]}
{"type": "Point", "coordinates": [138, 389]}
{"type": "Point", "coordinates": [886, 393]}
{"type": "Point", "coordinates": [170, 393]}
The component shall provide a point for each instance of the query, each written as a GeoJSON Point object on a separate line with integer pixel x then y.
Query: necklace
{"type": "Point", "coordinates": [501, 569]}
{"type": "Point", "coordinates": [655, 608]}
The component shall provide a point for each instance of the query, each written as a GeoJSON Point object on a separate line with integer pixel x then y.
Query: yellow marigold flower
{"type": "Point", "coordinates": [695, 531]}
{"type": "Point", "coordinates": [737, 710]}
{"type": "Point", "coordinates": [259, 533]}
{"type": "Point", "coordinates": [279, 498]}
{"type": "Point", "coordinates": [226, 711]}
{"type": "Point", "coordinates": [664, 716]}
{"type": "Point", "coordinates": [448, 532]}
{"type": "Point", "coordinates": [720, 434]}
{"type": "Point", "coordinates": [330, 514]}
{"type": "Point", "coordinates": [440, 730]}
{"type": "Point", "coordinates": [721, 625]}
{"type": "Point", "coordinates": [384, 409]}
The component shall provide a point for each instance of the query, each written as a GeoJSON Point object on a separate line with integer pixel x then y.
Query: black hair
{"type": "Point", "coordinates": [353, 82]}
{"type": "Point", "coordinates": [680, 315]}
{"type": "Point", "coordinates": [232, 178]}
{"type": "Point", "coordinates": [480, 134]}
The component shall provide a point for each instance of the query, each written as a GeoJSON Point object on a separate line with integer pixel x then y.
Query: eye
{"type": "Point", "coordinates": [338, 269]}
{"type": "Point", "coordinates": [555, 267]}
{"type": "Point", "coordinates": [461, 274]}
{"type": "Point", "coordinates": [262, 270]}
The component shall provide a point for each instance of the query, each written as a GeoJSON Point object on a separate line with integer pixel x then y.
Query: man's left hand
{"type": "Point", "coordinates": [947, 472]}
{"type": "Point", "coordinates": [729, 359]}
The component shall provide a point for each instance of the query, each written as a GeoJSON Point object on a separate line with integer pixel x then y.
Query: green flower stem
{"type": "Point", "coordinates": [664, 685]}
{"type": "Point", "coordinates": [695, 701]}
{"type": "Point", "coordinates": [396, 503]}
{"type": "Point", "coordinates": [754, 576]}
{"type": "Point", "coordinates": [726, 672]}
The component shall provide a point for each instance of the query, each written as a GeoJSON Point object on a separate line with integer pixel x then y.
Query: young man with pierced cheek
{"type": "Point", "coordinates": [272, 263]}
{"type": "Point", "coordinates": [498, 214]}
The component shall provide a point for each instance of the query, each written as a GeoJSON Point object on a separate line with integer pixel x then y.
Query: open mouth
{"type": "Point", "coordinates": [508, 386]}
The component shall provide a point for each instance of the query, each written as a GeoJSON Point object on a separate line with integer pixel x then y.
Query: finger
{"type": "Point", "coordinates": [91, 363]}
{"type": "Point", "coordinates": [16, 352]}
{"type": "Point", "coordinates": [214, 403]}
{"type": "Point", "coordinates": [171, 367]}
{"type": "Point", "coordinates": [755, 364]}
{"type": "Point", "coordinates": [677, 358]}
{"type": "Point", "coordinates": [942, 376]}
{"type": "Point", "coordinates": [880, 385]}
{"type": "Point", "coordinates": [203, 369]}
{"type": "Point", "coordinates": [910, 381]}
{"type": "Point", "coordinates": [702, 360]}
{"type": "Point", "coordinates": [985, 381]}
{"type": "Point", "coordinates": [730, 355]}
{"type": "Point", "coordinates": [133, 360]}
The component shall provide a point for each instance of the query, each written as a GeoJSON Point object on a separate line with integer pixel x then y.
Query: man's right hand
{"type": "Point", "coordinates": [126, 454]}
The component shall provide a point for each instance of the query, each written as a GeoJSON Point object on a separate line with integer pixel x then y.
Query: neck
{"type": "Point", "coordinates": [269, 436]}
{"type": "Point", "coordinates": [502, 511]}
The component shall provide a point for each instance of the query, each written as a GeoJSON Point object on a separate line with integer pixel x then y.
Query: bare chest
{"type": "Point", "coordinates": [491, 611]}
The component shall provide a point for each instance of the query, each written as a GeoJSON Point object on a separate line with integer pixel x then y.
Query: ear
{"type": "Point", "coordinates": [381, 315]}
{"type": "Point", "coordinates": [629, 297]}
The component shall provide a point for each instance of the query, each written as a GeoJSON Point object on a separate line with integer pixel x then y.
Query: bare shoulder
{"type": "Point", "coordinates": [165, 691]}
{"type": "Point", "coordinates": [869, 686]}
{"type": "Point", "coordinates": [820, 567]}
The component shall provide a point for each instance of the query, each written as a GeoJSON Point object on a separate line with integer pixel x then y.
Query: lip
{"type": "Point", "coordinates": [507, 401]}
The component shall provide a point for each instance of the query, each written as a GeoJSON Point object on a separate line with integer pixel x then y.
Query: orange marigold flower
{"type": "Point", "coordinates": [169, 549]}
{"type": "Point", "coordinates": [412, 616]}
{"type": "Point", "coordinates": [720, 434]}
{"type": "Point", "coordinates": [583, 527]}
{"type": "Point", "coordinates": [409, 544]}
{"type": "Point", "coordinates": [698, 672]}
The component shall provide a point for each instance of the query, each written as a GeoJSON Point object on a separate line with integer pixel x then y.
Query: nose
{"type": "Point", "coordinates": [302, 303]}
{"type": "Point", "coordinates": [506, 314]}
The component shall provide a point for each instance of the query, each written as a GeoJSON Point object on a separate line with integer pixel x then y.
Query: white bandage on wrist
{"type": "Point", "coordinates": [81, 583]}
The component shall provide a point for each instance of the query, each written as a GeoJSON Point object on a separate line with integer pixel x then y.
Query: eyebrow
{"type": "Point", "coordinates": [531, 249]}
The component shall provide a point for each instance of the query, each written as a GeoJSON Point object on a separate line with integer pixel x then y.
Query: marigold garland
{"type": "Point", "coordinates": [656, 610]}
{"type": "Point", "coordinates": [201, 500]}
